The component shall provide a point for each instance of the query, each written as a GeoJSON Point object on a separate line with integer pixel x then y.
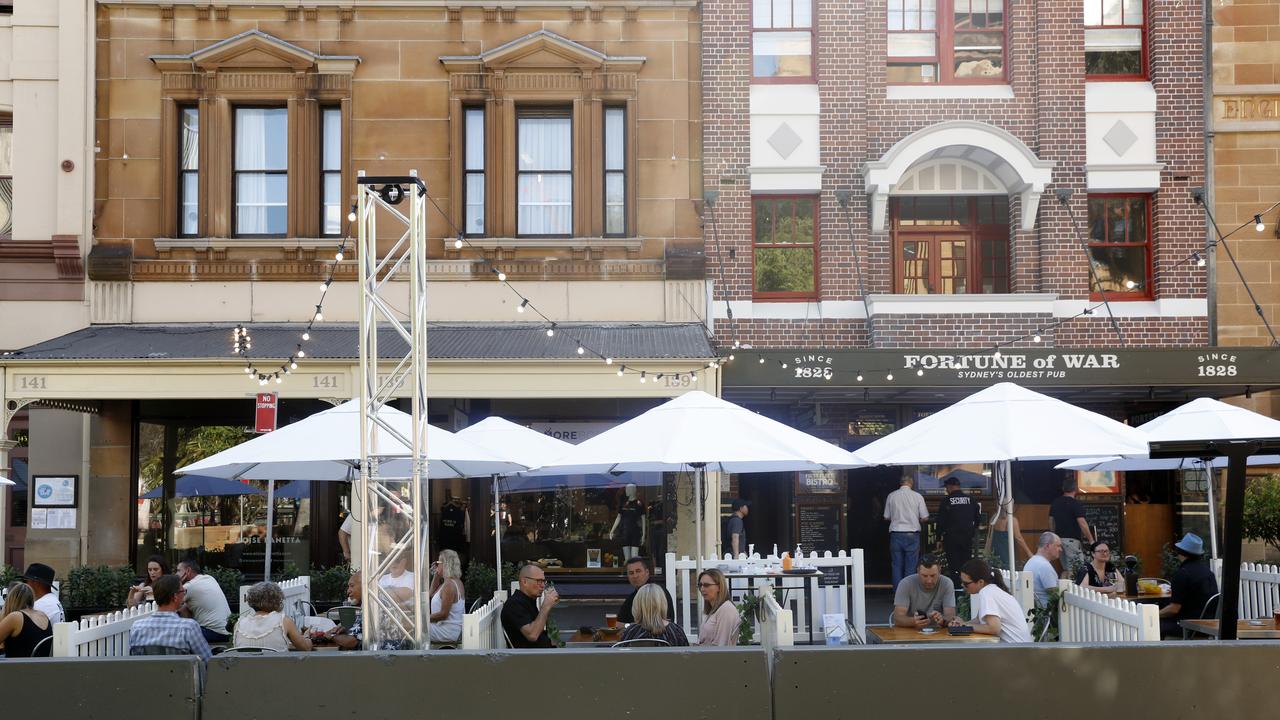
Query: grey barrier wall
{"type": "Point", "coordinates": [111, 688]}
{"type": "Point", "coordinates": [637, 683]}
{"type": "Point", "coordinates": [1159, 681]}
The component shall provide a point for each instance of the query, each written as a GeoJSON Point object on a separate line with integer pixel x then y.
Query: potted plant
{"type": "Point", "coordinates": [1262, 511]}
{"type": "Point", "coordinates": [93, 589]}
{"type": "Point", "coordinates": [329, 586]}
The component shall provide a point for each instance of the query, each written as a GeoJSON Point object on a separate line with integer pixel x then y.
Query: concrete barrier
{"type": "Point", "coordinates": [107, 688]}
{"type": "Point", "coordinates": [597, 683]}
{"type": "Point", "coordinates": [1169, 681]}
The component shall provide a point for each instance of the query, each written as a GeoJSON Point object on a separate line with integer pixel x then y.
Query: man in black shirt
{"type": "Point", "coordinates": [957, 523]}
{"type": "Point", "coordinates": [735, 532]}
{"type": "Point", "coordinates": [639, 574]}
{"type": "Point", "coordinates": [524, 623]}
{"type": "Point", "coordinates": [1193, 585]}
{"type": "Point", "coordinates": [1066, 518]}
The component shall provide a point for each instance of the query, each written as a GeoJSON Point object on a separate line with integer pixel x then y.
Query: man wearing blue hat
{"type": "Point", "coordinates": [1193, 585]}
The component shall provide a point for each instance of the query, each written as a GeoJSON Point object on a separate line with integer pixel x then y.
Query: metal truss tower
{"type": "Point", "coordinates": [393, 492]}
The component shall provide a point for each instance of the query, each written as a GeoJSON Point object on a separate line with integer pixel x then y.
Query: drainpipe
{"type": "Point", "coordinates": [1211, 256]}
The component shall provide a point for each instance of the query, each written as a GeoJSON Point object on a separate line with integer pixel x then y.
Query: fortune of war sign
{"type": "Point", "coordinates": [1026, 366]}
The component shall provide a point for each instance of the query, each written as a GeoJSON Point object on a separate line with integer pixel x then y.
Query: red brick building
{"type": "Point", "coordinates": [898, 188]}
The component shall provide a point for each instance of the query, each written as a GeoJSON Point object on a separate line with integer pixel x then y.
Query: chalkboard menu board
{"type": "Point", "coordinates": [820, 527]}
{"type": "Point", "coordinates": [1106, 521]}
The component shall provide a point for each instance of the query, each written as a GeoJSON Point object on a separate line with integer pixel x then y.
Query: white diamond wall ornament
{"type": "Point", "coordinates": [784, 141]}
{"type": "Point", "coordinates": [1120, 138]}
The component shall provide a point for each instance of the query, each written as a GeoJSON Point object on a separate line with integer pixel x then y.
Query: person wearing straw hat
{"type": "Point", "coordinates": [1193, 585]}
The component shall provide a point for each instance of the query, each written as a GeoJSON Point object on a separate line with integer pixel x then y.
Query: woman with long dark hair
{"type": "Point", "coordinates": [140, 593]}
{"type": "Point", "coordinates": [995, 611]}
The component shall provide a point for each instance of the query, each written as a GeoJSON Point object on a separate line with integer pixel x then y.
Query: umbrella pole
{"type": "Point", "coordinates": [1213, 512]}
{"type": "Point", "coordinates": [271, 511]}
{"type": "Point", "coordinates": [697, 516]}
{"type": "Point", "coordinates": [1005, 470]}
{"type": "Point", "coordinates": [497, 535]}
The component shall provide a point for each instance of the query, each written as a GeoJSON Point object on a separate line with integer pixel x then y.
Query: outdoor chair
{"type": "Point", "coordinates": [1211, 610]}
{"type": "Point", "coordinates": [35, 651]}
{"type": "Point", "coordinates": [642, 642]}
{"type": "Point", "coordinates": [248, 651]}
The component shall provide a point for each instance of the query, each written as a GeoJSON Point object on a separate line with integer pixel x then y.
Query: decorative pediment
{"type": "Point", "coordinates": [256, 50]}
{"type": "Point", "coordinates": [540, 51]}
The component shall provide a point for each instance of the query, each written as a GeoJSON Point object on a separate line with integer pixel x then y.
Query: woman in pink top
{"type": "Point", "coordinates": [721, 619]}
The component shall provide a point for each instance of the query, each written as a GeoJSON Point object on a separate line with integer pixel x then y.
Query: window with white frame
{"type": "Point", "coordinates": [331, 171]}
{"type": "Point", "coordinates": [544, 172]}
{"type": "Point", "coordinates": [473, 171]}
{"type": "Point", "coordinates": [1115, 39]}
{"type": "Point", "coordinates": [946, 41]}
{"type": "Point", "coordinates": [261, 171]}
{"type": "Point", "coordinates": [782, 40]}
{"type": "Point", "coordinates": [615, 171]}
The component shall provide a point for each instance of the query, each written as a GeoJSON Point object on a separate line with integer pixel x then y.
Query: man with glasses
{"type": "Point", "coordinates": [163, 632]}
{"type": "Point", "coordinates": [524, 623]}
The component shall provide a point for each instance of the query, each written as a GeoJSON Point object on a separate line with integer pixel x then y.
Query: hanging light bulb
{"type": "Point", "coordinates": [551, 331]}
{"type": "Point", "coordinates": [622, 370]}
{"type": "Point", "coordinates": [608, 361]}
{"type": "Point", "coordinates": [523, 303]}
{"type": "Point", "coordinates": [248, 369]}
{"type": "Point", "coordinates": [761, 360]}
{"type": "Point", "coordinates": [458, 243]}
{"type": "Point", "coordinates": [306, 335]}
{"type": "Point", "coordinates": [784, 366]}
{"type": "Point", "coordinates": [1036, 337]}
{"type": "Point", "coordinates": [351, 216]}
{"type": "Point", "coordinates": [338, 255]}
{"type": "Point", "coordinates": [278, 379]}
{"type": "Point", "coordinates": [730, 357]}
{"type": "Point", "coordinates": [1258, 224]}
{"type": "Point", "coordinates": [920, 372]}
{"type": "Point", "coordinates": [302, 353]}
{"type": "Point", "coordinates": [324, 286]}
{"type": "Point", "coordinates": [997, 354]}
{"type": "Point", "coordinates": [319, 315]}
{"type": "Point", "coordinates": [736, 344]}
{"type": "Point", "coordinates": [1198, 258]}
{"type": "Point", "coordinates": [859, 377]}
{"type": "Point", "coordinates": [889, 377]}
{"type": "Point", "coordinates": [293, 364]}
{"type": "Point", "coordinates": [581, 350]}
{"type": "Point", "coordinates": [502, 277]}
{"type": "Point", "coordinates": [693, 375]}
{"type": "Point", "coordinates": [642, 377]}
{"type": "Point", "coordinates": [1130, 284]}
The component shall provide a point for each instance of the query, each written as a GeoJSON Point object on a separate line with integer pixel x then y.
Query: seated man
{"type": "Point", "coordinates": [1191, 587]}
{"type": "Point", "coordinates": [928, 597]}
{"type": "Point", "coordinates": [1044, 577]}
{"type": "Point", "coordinates": [206, 602]}
{"type": "Point", "coordinates": [164, 628]}
{"type": "Point", "coordinates": [350, 638]}
{"type": "Point", "coordinates": [639, 574]}
{"type": "Point", "coordinates": [523, 621]}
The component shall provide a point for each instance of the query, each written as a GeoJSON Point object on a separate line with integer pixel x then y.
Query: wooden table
{"type": "Point", "coordinates": [1159, 598]}
{"type": "Point", "coordinates": [1245, 630]}
{"type": "Point", "coordinates": [899, 635]}
{"type": "Point", "coordinates": [581, 639]}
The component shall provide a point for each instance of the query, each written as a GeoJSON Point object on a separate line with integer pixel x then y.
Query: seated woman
{"type": "Point", "coordinates": [1099, 574]}
{"type": "Point", "coordinates": [720, 617]}
{"type": "Point", "coordinates": [448, 599]}
{"type": "Point", "coordinates": [268, 627]}
{"type": "Point", "coordinates": [650, 610]}
{"type": "Point", "coordinates": [995, 611]}
{"type": "Point", "coordinates": [22, 627]}
{"type": "Point", "coordinates": [141, 593]}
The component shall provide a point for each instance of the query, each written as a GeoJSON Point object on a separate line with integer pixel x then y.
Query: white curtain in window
{"type": "Point", "coordinates": [261, 144]}
{"type": "Point", "coordinates": [545, 205]}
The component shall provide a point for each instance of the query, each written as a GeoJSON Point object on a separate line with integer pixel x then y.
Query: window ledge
{"type": "Point", "coordinates": [949, 92]}
{"type": "Point", "coordinates": [994, 304]}
{"type": "Point", "coordinates": [207, 243]}
{"type": "Point", "coordinates": [633, 244]}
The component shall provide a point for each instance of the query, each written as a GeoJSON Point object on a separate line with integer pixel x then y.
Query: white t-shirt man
{"type": "Point", "coordinates": [1043, 577]}
{"type": "Point", "coordinates": [51, 606]}
{"type": "Point", "coordinates": [404, 581]}
{"type": "Point", "coordinates": [991, 600]}
{"type": "Point", "coordinates": [207, 603]}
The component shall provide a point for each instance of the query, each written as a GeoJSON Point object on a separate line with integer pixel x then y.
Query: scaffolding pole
{"type": "Point", "coordinates": [393, 492]}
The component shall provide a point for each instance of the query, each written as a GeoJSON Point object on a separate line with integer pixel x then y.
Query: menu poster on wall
{"type": "Point", "coordinates": [820, 527]}
{"type": "Point", "coordinates": [61, 519]}
{"type": "Point", "coordinates": [54, 490]}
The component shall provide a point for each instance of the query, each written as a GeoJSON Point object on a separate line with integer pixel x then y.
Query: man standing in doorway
{"type": "Point", "coordinates": [904, 509]}
{"type": "Point", "coordinates": [1066, 518]}
{"type": "Point", "coordinates": [735, 531]}
{"type": "Point", "coordinates": [957, 523]}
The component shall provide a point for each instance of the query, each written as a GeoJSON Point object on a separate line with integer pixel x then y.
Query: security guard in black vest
{"type": "Point", "coordinates": [957, 523]}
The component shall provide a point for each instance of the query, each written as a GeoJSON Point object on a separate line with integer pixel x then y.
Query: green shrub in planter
{"type": "Point", "coordinates": [329, 585]}
{"type": "Point", "coordinates": [99, 586]}
{"type": "Point", "coordinates": [480, 581]}
{"type": "Point", "coordinates": [8, 574]}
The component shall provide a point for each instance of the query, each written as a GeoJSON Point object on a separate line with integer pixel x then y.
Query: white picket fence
{"type": "Point", "coordinates": [1021, 587]}
{"type": "Point", "coordinates": [482, 629]}
{"type": "Point", "coordinates": [775, 624]}
{"type": "Point", "coordinates": [1259, 590]}
{"type": "Point", "coordinates": [297, 599]}
{"type": "Point", "coordinates": [1086, 615]}
{"type": "Point", "coordinates": [805, 596]}
{"type": "Point", "coordinates": [98, 636]}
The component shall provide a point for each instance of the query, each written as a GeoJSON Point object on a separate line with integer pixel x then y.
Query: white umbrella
{"type": "Point", "coordinates": [515, 442]}
{"type": "Point", "coordinates": [1003, 423]}
{"type": "Point", "coordinates": [1200, 419]}
{"type": "Point", "coordinates": [703, 432]}
{"type": "Point", "coordinates": [326, 447]}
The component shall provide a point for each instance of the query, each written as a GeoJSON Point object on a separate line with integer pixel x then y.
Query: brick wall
{"type": "Point", "coordinates": [859, 123]}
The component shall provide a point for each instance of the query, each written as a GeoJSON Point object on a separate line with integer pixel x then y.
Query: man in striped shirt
{"type": "Point", "coordinates": [165, 628]}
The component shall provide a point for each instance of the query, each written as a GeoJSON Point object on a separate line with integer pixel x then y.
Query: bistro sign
{"type": "Point", "coordinates": [1030, 366]}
